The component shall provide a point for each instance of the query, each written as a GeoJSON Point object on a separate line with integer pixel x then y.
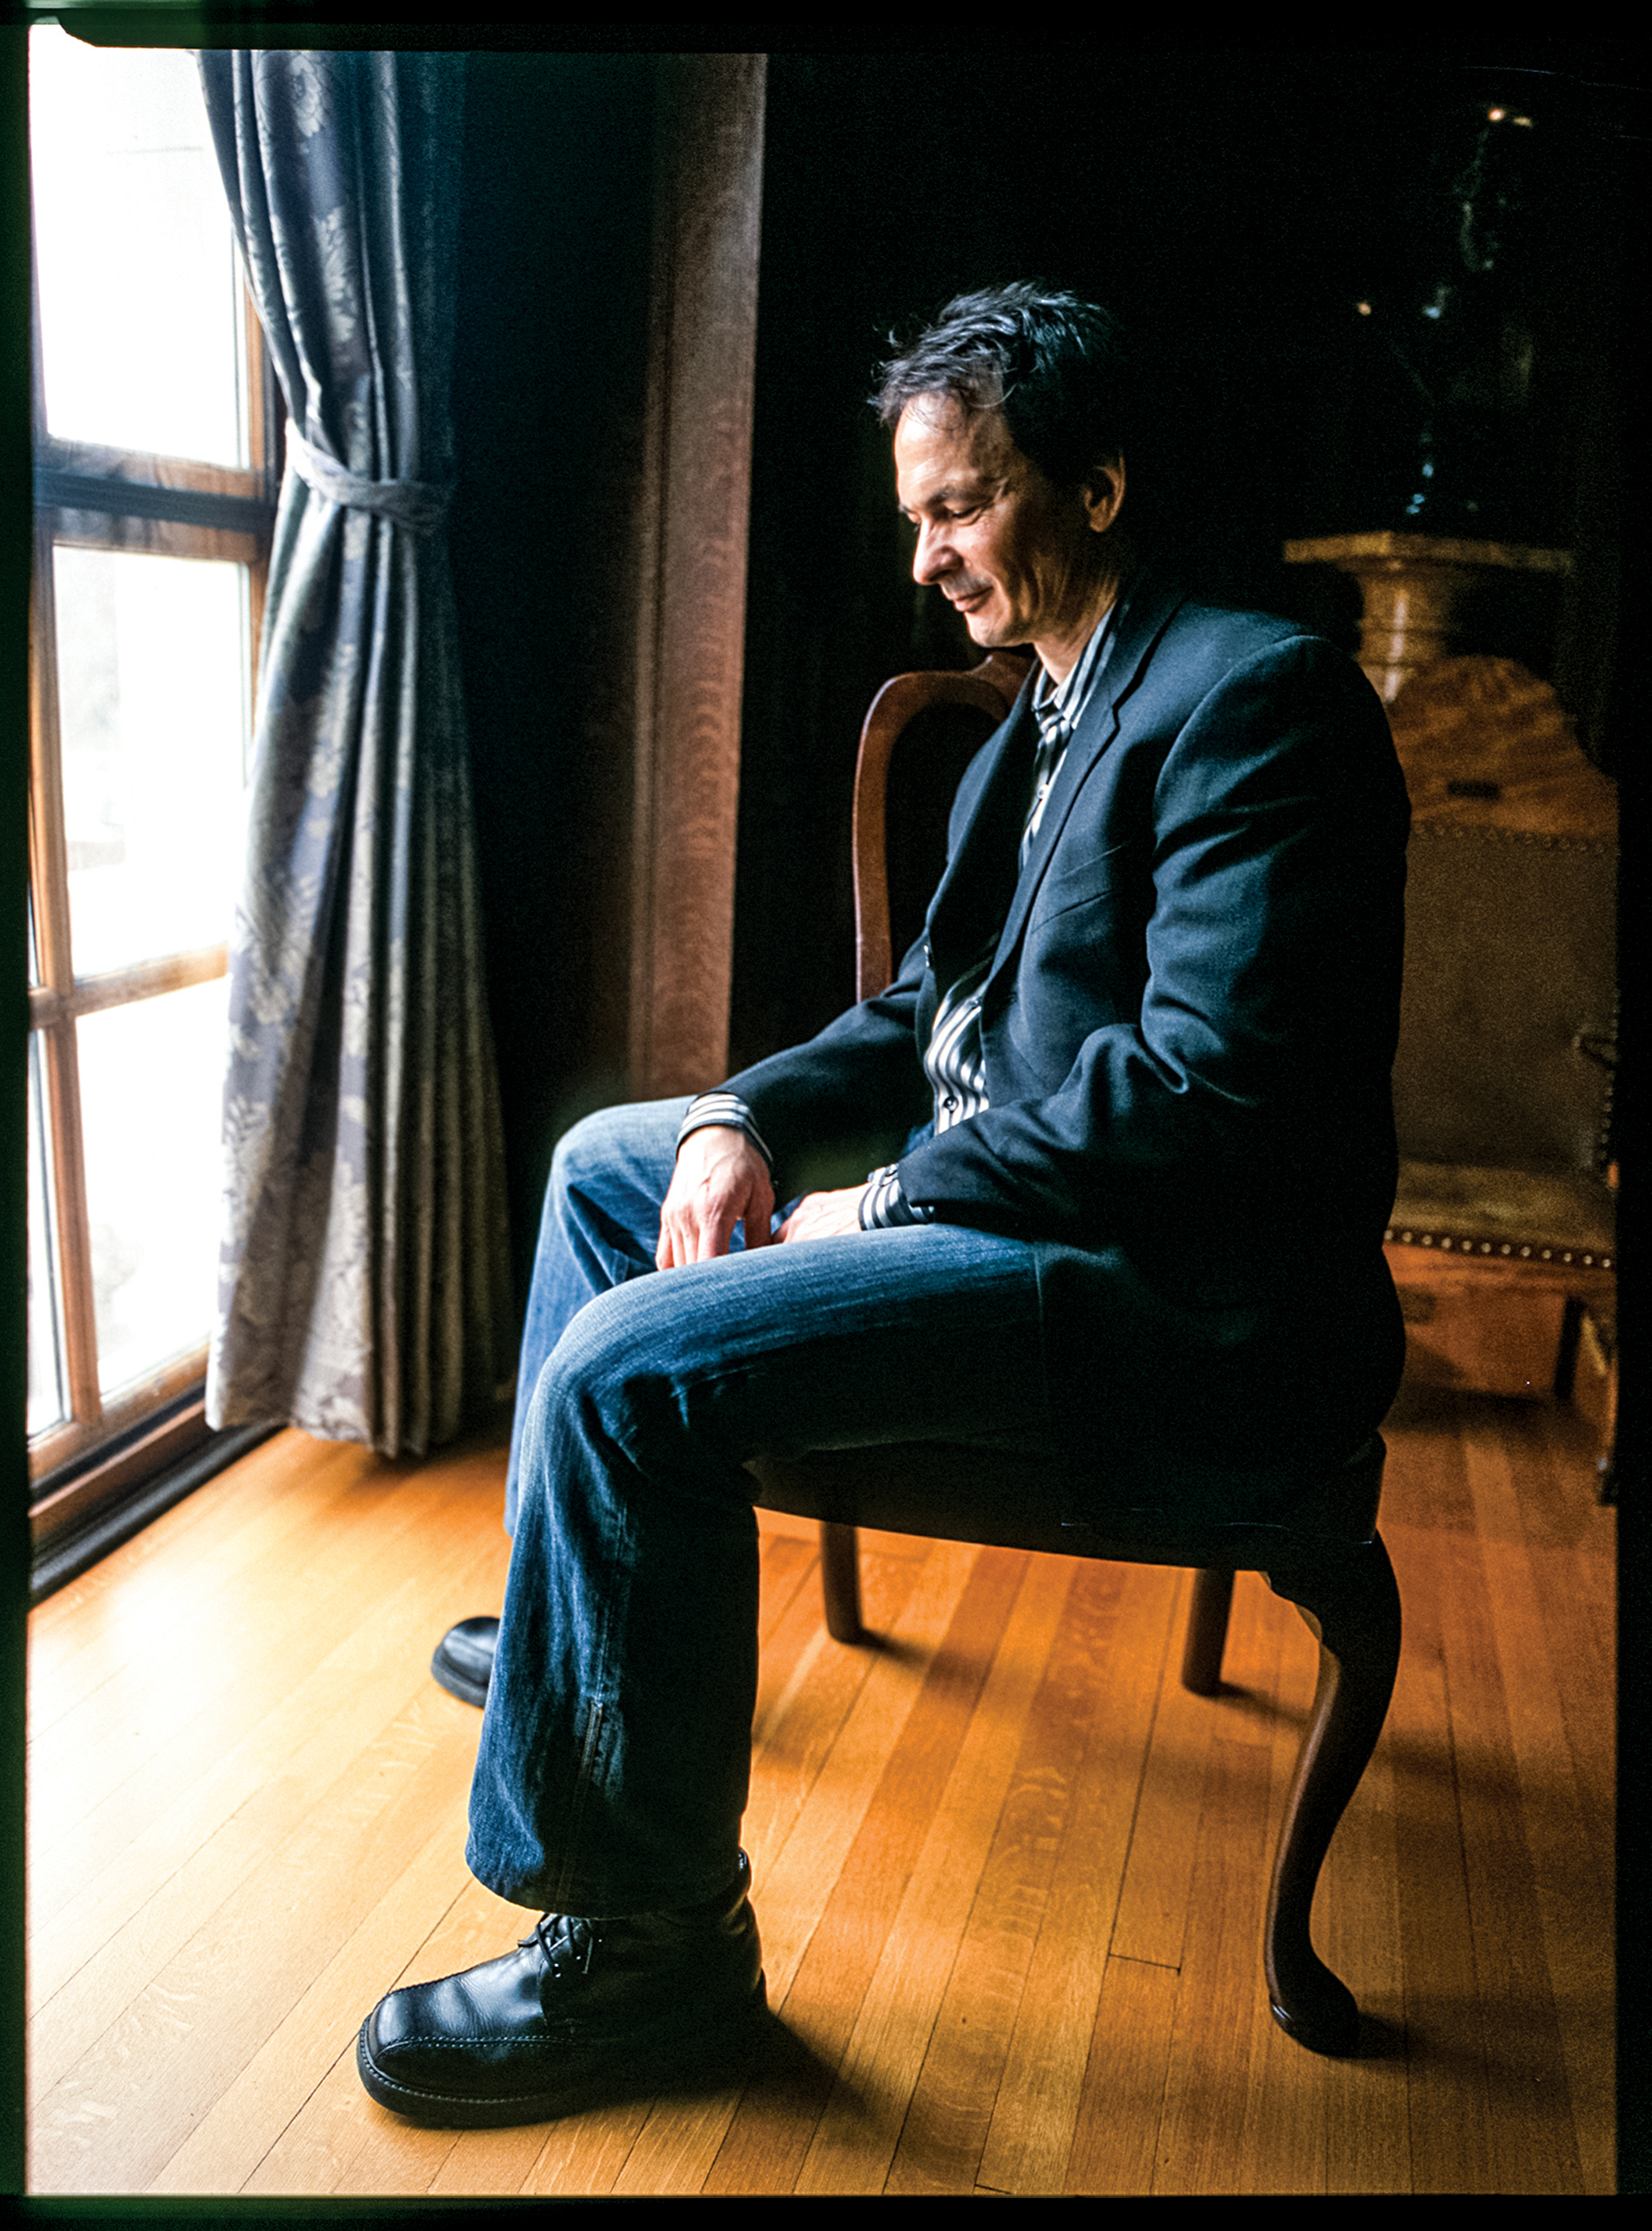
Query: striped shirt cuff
{"type": "Point", "coordinates": [729, 1111]}
{"type": "Point", "coordinates": [884, 1204]}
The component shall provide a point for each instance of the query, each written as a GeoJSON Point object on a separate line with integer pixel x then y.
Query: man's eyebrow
{"type": "Point", "coordinates": [954, 491]}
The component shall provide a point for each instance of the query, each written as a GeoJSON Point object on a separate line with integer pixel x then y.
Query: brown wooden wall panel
{"type": "Point", "coordinates": [691, 621]}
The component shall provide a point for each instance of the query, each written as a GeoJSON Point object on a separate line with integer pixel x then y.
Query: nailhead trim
{"type": "Point", "coordinates": [1448, 1242]}
{"type": "Point", "coordinates": [1472, 832]}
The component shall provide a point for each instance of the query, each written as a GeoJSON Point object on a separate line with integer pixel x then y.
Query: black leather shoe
{"type": "Point", "coordinates": [583, 2014]}
{"type": "Point", "coordinates": [464, 1659]}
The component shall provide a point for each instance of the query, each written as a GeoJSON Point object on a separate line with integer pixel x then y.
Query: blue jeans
{"type": "Point", "coordinates": [616, 1746]}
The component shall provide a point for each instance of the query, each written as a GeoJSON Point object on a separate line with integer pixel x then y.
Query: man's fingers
{"type": "Point", "coordinates": [720, 1181]}
{"type": "Point", "coordinates": [699, 1233]}
{"type": "Point", "coordinates": [824, 1216]}
{"type": "Point", "coordinates": [695, 1233]}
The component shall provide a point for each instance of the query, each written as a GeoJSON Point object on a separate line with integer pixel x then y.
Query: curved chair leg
{"type": "Point", "coordinates": [1207, 1636]}
{"type": "Point", "coordinates": [1352, 1605]}
{"type": "Point", "coordinates": [839, 1580]}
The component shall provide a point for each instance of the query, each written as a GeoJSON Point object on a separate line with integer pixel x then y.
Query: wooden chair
{"type": "Point", "coordinates": [1328, 1558]}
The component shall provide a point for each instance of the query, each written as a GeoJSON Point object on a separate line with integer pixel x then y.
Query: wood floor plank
{"type": "Point", "coordinates": [1121, 2098]}
{"type": "Point", "coordinates": [1036, 2113]}
{"type": "Point", "coordinates": [285, 1470]}
{"type": "Point", "coordinates": [831, 1895]}
{"type": "Point", "coordinates": [1534, 2146]}
{"type": "Point", "coordinates": [1356, 1931]}
{"type": "Point", "coordinates": [270, 1700]}
{"type": "Point", "coordinates": [855, 2143]}
{"type": "Point", "coordinates": [960, 2090]}
{"type": "Point", "coordinates": [785, 1568]}
{"type": "Point", "coordinates": [495, 2164]}
{"type": "Point", "coordinates": [677, 2146]}
{"type": "Point", "coordinates": [1156, 1899]}
{"type": "Point", "coordinates": [1445, 2046]}
{"type": "Point", "coordinates": [1570, 1887]}
{"type": "Point", "coordinates": [165, 1632]}
{"type": "Point", "coordinates": [253, 2136]}
{"type": "Point", "coordinates": [98, 1953]}
{"type": "Point", "coordinates": [1278, 2145]}
{"type": "Point", "coordinates": [585, 2156]}
{"type": "Point", "coordinates": [206, 1678]}
{"type": "Point", "coordinates": [130, 1604]}
{"type": "Point", "coordinates": [1281, 2138]}
{"type": "Point", "coordinates": [188, 2034]}
{"type": "Point", "coordinates": [1204, 2103]}
{"type": "Point", "coordinates": [857, 1789]}
{"type": "Point", "coordinates": [805, 1695]}
{"type": "Point", "coordinates": [336, 2149]}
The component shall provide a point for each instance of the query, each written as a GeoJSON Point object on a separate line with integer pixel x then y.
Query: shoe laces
{"type": "Point", "coordinates": [568, 1942]}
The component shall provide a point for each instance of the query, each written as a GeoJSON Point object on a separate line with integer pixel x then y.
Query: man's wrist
{"type": "Point", "coordinates": [885, 1205]}
{"type": "Point", "coordinates": [723, 1111]}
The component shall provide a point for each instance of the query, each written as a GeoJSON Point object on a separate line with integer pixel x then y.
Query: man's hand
{"type": "Point", "coordinates": [821, 1215]}
{"type": "Point", "coordinates": [720, 1181]}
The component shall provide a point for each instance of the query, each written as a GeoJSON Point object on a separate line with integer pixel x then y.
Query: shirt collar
{"type": "Point", "coordinates": [1058, 707]}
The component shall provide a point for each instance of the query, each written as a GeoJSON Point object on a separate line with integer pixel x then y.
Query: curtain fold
{"type": "Point", "coordinates": [363, 1283]}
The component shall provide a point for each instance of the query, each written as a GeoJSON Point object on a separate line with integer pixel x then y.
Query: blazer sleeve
{"type": "Point", "coordinates": [1192, 1049]}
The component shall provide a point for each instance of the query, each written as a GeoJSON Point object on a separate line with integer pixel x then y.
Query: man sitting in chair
{"type": "Point", "coordinates": [1125, 1118]}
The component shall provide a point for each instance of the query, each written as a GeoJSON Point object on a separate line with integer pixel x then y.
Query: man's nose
{"type": "Point", "coordinates": [934, 555]}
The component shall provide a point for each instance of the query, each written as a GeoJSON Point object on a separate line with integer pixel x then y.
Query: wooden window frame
{"type": "Point", "coordinates": [94, 497]}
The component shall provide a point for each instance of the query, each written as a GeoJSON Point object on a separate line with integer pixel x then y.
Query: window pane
{"type": "Point", "coordinates": [152, 664]}
{"type": "Point", "coordinates": [140, 300]}
{"type": "Point", "coordinates": [46, 1399]}
{"type": "Point", "coordinates": [151, 1084]}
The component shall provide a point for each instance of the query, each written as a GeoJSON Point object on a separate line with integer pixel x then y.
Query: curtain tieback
{"type": "Point", "coordinates": [419, 504]}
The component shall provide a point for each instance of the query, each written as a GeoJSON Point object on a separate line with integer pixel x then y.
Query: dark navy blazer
{"type": "Point", "coordinates": [1187, 1028]}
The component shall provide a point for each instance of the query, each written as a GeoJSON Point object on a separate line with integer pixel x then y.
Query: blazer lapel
{"type": "Point", "coordinates": [975, 894]}
{"type": "Point", "coordinates": [1149, 603]}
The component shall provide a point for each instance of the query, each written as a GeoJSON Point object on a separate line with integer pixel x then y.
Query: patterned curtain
{"type": "Point", "coordinates": [363, 1289]}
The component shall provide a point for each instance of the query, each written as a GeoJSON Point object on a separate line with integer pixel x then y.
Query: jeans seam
{"type": "Point", "coordinates": [616, 1609]}
{"type": "Point", "coordinates": [583, 1780]}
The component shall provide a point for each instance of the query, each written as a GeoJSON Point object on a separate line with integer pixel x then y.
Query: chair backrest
{"type": "Point", "coordinates": [990, 688]}
{"type": "Point", "coordinates": [1507, 1024]}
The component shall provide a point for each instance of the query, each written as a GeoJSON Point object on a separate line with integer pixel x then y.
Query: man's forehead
{"type": "Point", "coordinates": [941, 447]}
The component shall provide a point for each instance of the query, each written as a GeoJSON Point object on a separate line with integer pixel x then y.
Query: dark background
{"type": "Point", "coordinates": [1232, 209]}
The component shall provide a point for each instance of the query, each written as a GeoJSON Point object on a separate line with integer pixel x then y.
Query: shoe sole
{"type": "Point", "coordinates": [457, 1684]}
{"type": "Point", "coordinates": [704, 2058]}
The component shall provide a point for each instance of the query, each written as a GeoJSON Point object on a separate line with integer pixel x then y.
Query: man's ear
{"type": "Point", "coordinates": [1104, 495]}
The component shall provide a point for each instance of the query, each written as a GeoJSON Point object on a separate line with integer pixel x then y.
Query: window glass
{"type": "Point", "coordinates": [152, 667]}
{"type": "Point", "coordinates": [151, 1085]}
{"type": "Point", "coordinates": [140, 300]}
{"type": "Point", "coordinates": [143, 644]}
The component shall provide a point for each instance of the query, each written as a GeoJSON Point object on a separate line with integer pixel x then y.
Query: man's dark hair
{"type": "Point", "coordinates": [1055, 365]}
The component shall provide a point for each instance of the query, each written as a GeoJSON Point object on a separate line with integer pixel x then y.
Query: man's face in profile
{"type": "Point", "coordinates": [1015, 555]}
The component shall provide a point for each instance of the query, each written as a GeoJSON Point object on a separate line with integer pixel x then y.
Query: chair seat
{"type": "Point", "coordinates": [1010, 1501]}
{"type": "Point", "coordinates": [1512, 1215]}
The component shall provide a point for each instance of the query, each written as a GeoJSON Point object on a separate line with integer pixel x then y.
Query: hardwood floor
{"type": "Point", "coordinates": [1010, 1874]}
